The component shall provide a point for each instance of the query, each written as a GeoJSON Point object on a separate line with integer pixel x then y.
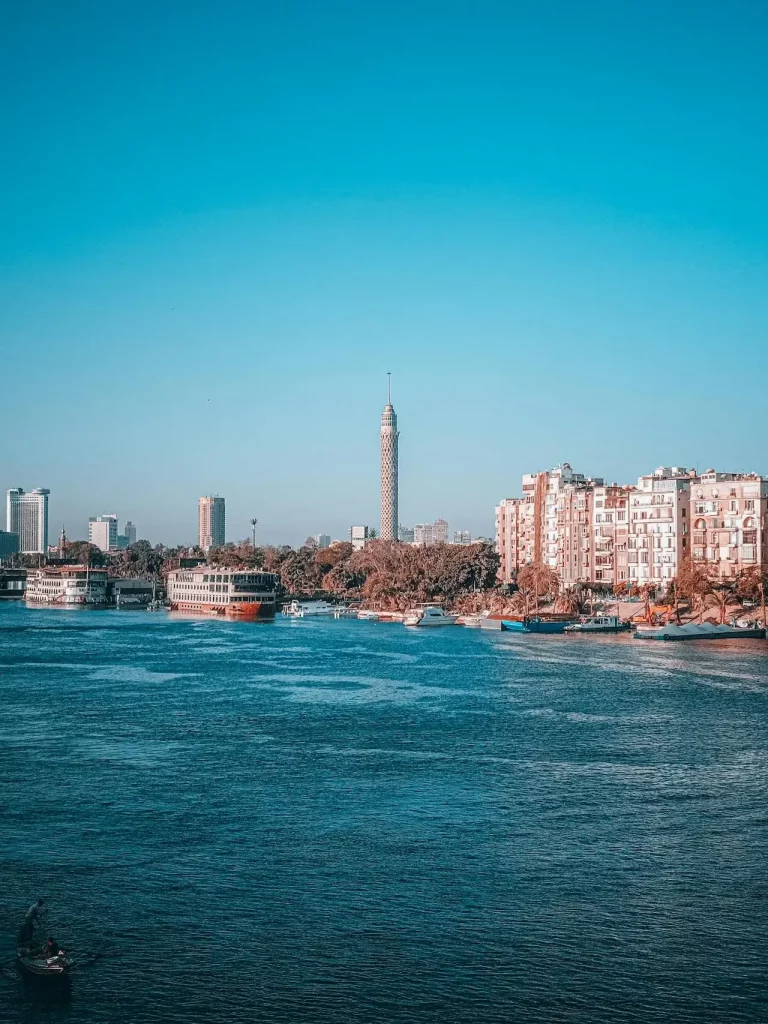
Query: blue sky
{"type": "Point", "coordinates": [221, 224]}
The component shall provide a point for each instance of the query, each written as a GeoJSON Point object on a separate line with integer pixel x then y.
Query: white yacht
{"type": "Point", "coordinates": [599, 624]}
{"type": "Point", "coordinates": [429, 615]}
{"type": "Point", "coordinates": [308, 609]}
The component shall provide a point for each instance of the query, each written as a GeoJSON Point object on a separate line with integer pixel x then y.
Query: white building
{"type": "Point", "coordinates": [359, 536]}
{"type": "Point", "coordinates": [431, 533]}
{"type": "Point", "coordinates": [659, 525]}
{"type": "Point", "coordinates": [27, 517]}
{"type": "Point", "coordinates": [102, 532]}
{"type": "Point", "coordinates": [462, 537]}
{"type": "Point", "coordinates": [211, 522]}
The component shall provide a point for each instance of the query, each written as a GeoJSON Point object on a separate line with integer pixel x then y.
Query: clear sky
{"type": "Point", "coordinates": [222, 223]}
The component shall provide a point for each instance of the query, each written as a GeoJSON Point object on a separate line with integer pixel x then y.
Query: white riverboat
{"type": "Point", "coordinates": [429, 615]}
{"type": "Point", "coordinates": [67, 586]}
{"type": "Point", "coordinates": [236, 593]}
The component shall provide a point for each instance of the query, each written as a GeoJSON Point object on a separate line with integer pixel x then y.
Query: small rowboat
{"type": "Point", "coordinates": [35, 963]}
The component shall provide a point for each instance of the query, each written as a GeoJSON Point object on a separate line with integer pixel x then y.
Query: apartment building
{"type": "Point", "coordinates": [728, 522]}
{"type": "Point", "coordinates": [590, 532]}
{"type": "Point", "coordinates": [610, 530]}
{"type": "Point", "coordinates": [659, 523]}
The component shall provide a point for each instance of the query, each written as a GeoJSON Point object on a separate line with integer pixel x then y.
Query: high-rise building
{"type": "Point", "coordinates": [323, 540]}
{"type": "Point", "coordinates": [405, 534]}
{"type": "Point", "coordinates": [9, 544]}
{"type": "Point", "coordinates": [27, 517]}
{"type": "Point", "coordinates": [102, 532]}
{"type": "Point", "coordinates": [462, 537]}
{"type": "Point", "coordinates": [431, 533]}
{"type": "Point", "coordinates": [211, 522]}
{"type": "Point", "coordinates": [440, 531]}
{"type": "Point", "coordinates": [389, 443]}
{"type": "Point", "coordinates": [129, 532]}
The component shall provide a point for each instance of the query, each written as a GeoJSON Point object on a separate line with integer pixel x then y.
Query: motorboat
{"type": "Point", "coordinates": [367, 615]}
{"type": "Point", "coordinates": [599, 624]}
{"type": "Point", "coordinates": [536, 625]}
{"type": "Point", "coordinates": [35, 962]}
{"type": "Point", "coordinates": [429, 615]}
{"type": "Point", "coordinates": [700, 631]}
{"type": "Point", "coordinates": [309, 609]}
{"type": "Point", "coordinates": [342, 611]}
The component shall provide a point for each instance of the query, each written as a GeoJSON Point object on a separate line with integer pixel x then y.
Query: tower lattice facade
{"type": "Point", "coordinates": [389, 438]}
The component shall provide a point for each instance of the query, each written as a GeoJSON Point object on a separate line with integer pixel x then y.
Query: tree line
{"type": "Point", "coordinates": [382, 574]}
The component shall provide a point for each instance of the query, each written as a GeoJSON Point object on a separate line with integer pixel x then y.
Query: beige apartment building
{"type": "Point", "coordinates": [659, 524]}
{"type": "Point", "coordinates": [610, 529]}
{"type": "Point", "coordinates": [590, 532]}
{"type": "Point", "coordinates": [728, 517]}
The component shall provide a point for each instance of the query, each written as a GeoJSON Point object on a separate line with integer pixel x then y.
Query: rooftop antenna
{"type": "Point", "coordinates": [389, 388]}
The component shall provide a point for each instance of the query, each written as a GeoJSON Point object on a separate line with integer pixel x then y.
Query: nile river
{"type": "Point", "coordinates": [314, 822]}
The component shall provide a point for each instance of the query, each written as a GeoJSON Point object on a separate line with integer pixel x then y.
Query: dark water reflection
{"type": "Point", "coordinates": [339, 821]}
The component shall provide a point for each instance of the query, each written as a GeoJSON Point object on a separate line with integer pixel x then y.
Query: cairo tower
{"type": "Point", "coordinates": [389, 436]}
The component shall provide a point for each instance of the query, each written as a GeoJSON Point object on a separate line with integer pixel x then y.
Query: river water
{"type": "Point", "coordinates": [318, 821]}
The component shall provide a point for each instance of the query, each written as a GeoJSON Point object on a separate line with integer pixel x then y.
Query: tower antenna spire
{"type": "Point", "coordinates": [389, 388]}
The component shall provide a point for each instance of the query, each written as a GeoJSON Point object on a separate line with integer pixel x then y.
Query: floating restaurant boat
{"type": "Point", "coordinates": [67, 586]}
{"type": "Point", "coordinates": [536, 625]}
{"type": "Point", "coordinates": [700, 631]}
{"type": "Point", "coordinates": [429, 615]}
{"type": "Point", "coordinates": [242, 593]}
{"type": "Point", "coordinates": [599, 624]}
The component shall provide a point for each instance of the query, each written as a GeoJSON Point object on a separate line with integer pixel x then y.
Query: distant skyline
{"type": "Point", "coordinates": [221, 227]}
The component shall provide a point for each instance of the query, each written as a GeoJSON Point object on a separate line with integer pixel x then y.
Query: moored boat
{"type": "Point", "coordinates": [700, 631]}
{"type": "Point", "coordinates": [536, 625]}
{"type": "Point", "coordinates": [233, 593]}
{"type": "Point", "coordinates": [342, 611]}
{"type": "Point", "coordinates": [599, 624]}
{"type": "Point", "coordinates": [429, 615]}
{"type": "Point", "coordinates": [309, 609]}
{"type": "Point", "coordinates": [67, 586]}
